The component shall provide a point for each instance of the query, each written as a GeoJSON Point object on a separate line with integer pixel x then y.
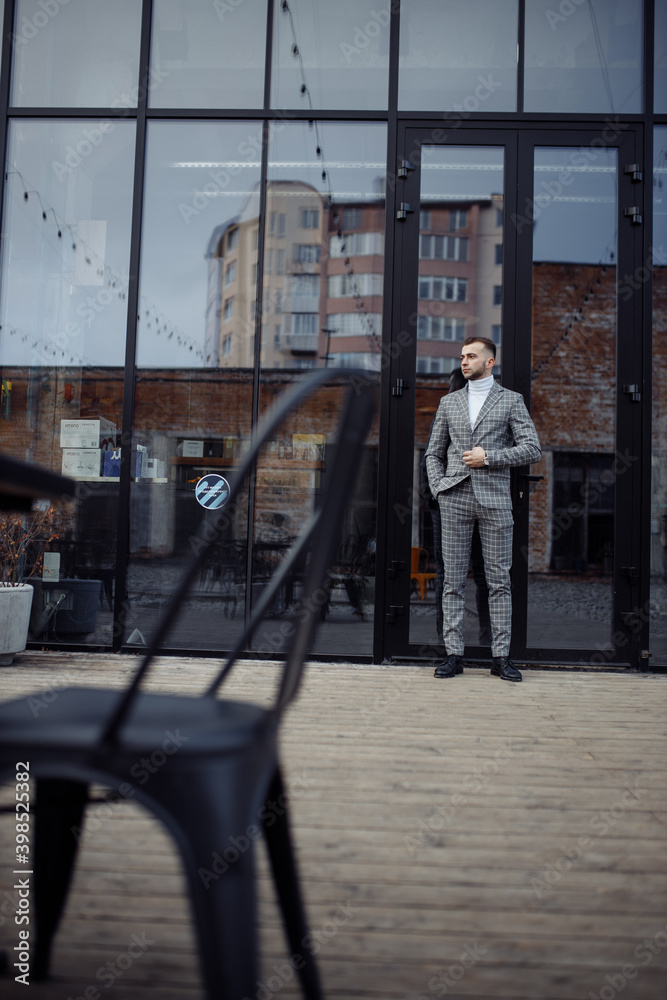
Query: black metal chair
{"type": "Point", "coordinates": [222, 770]}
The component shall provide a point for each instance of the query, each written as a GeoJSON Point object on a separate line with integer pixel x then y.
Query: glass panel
{"type": "Point", "coordinates": [322, 305]}
{"type": "Point", "coordinates": [458, 57]}
{"type": "Point", "coordinates": [584, 56]}
{"type": "Point", "coordinates": [660, 51]}
{"type": "Point", "coordinates": [63, 318]}
{"type": "Point", "coordinates": [460, 269]}
{"type": "Point", "coordinates": [208, 55]}
{"type": "Point", "coordinates": [83, 54]}
{"type": "Point", "coordinates": [330, 55]}
{"type": "Point", "coordinates": [658, 612]}
{"type": "Point", "coordinates": [570, 559]}
{"type": "Point", "coordinates": [191, 419]}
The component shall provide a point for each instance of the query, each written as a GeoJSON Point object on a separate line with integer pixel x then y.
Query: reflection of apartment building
{"type": "Point", "coordinates": [323, 282]}
{"type": "Point", "coordinates": [291, 293]}
{"type": "Point", "coordinates": [353, 294]}
{"type": "Point", "coordinates": [232, 280]}
{"type": "Point", "coordinates": [460, 279]}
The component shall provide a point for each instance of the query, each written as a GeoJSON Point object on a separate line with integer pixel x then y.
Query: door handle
{"type": "Point", "coordinates": [530, 479]}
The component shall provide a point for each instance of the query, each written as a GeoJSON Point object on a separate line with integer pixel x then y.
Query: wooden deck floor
{"type": "Point", "coordinates": [459, 838]}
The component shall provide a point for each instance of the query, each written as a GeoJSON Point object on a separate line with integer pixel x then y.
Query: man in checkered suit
{"type": "Point", "coordinates": [478, 434]}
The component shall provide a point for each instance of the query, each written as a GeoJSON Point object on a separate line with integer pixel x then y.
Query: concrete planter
{"type": "Point", "coordinates": [15, 605]}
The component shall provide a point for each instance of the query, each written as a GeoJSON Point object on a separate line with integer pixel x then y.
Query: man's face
{"type": "Point", "coordinates": [476, 361]}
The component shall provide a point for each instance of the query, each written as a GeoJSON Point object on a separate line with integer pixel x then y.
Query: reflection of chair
{"type": "Point", "coordinates": [219, 778]}
{"type": "Point", "coordinates": [353, 563]}
{"type": "Point", "coordinates": [418, 568]}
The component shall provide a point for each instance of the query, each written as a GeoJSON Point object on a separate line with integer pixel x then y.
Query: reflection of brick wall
{"type": "Point", "coordinates": [172, 405]}
{"type": "Point", "coordinates": [573, 377]}
{"type": "Point", "coordinates": [659, 426]}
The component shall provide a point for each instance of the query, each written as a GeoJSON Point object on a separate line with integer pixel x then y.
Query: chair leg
{"type": "Point", "coordinates": [215, 834]}
{"type": "Point", "coordinates": [286, 878]}
{"type": "Point", "coordinates": [59, 809]}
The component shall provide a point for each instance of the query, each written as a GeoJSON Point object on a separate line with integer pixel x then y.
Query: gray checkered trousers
{"type": "Point", "coordinates": [504, 430]}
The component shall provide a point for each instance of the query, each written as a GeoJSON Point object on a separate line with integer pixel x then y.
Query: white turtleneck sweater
{"type": "Point", "coordinates": [478, 390]}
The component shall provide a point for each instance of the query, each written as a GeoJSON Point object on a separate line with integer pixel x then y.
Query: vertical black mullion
{"type": "Point", "coordinates": [521, 61]}
{"type": "Point", "coordinates": [645, 304]}
{"type": "Point", "coordinates": [523, 319]}
{"type": "Point", "coordinates": [5, 78]}
{"type": "Point", "coordinates": [516, 354]}
{"type": "Point", "coordinates": [7, 52]}
{"type": "Point", "coordinates": [124, 486]}
{"type": "Point", "coordinates": [256, 376]}
{"type": "Point", "coordinates": [649, 59]}
{"type": "Point", "coordinates": [380, 648]}
{"type": "Point", "coordinates": [644, 310]}
{"type": "Point", "coordinates": [627, 529]}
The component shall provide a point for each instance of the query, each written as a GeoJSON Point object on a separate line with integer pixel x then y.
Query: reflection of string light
{"type": "Point", "coordinates": [109, 276]}
{"type": "Point", "coordinates": [373, 339]}
{"type": "Point", "coordinates": [578, 312]}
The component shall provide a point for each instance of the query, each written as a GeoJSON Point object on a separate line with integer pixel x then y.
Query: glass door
{"type": "Point", "coordinates": [579, 231]}
{"type": "Point", "coordinates": [517, 238]}
{"type": "Point", "coordinates": [452, 239]}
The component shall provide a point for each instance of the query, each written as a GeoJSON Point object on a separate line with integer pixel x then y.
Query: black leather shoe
{"type": "Point", "coordinates": [450, 667]}
{"type": "Point", "coordinates": [505, 669]}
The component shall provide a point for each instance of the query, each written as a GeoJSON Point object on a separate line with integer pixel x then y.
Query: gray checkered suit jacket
{"type": "Point", "coordinates": [503, 429]}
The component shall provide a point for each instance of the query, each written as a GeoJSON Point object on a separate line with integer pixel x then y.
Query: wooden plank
{"type": "Point", "coordinates": [380, 753]}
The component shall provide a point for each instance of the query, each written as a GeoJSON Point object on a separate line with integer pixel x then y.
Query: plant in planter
{"type": "Point", "coordinates": [23, 539]}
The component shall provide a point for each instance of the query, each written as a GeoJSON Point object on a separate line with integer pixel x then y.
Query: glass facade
{"type": "Point", "coordinates": [203, 200]}
{"type": "Point", "coordinates": [459, 57]}
{"type": "Point", "coordinates": [571, 541]}
{"type": "Point", "coordinates": [584, 57]}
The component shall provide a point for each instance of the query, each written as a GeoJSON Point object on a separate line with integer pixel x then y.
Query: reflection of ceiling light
{"type": "Point", "coordinates": [273, 165]}
{"type": "Point", "coordinates": [341, 195]}
{"type": "Point", "coordinates": [567, 168]}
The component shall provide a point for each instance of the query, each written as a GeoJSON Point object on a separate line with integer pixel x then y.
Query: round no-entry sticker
{"type": "Point", "coordinates": [212, 491]}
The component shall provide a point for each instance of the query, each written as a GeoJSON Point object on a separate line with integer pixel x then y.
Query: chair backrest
{"type": "Point", "coordinates": [319, 536]}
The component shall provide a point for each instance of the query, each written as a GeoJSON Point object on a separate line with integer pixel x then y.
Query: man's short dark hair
{"type": "Point", "coordinates": [490, 346]}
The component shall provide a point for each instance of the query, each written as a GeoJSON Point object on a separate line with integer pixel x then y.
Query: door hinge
{"type": "Point", "coordinates": [634, 169]}
{"type": "Point", "coordinates": [403, 167]}
{"type": "Point", "coordinates": [399, 385]}
{"type": "Point", "coordinates": [403, 210]}
{"type": "Point", "coordinates": [395, 566]}
{"type": "Point", "coordinates": [634, 392]}
{"type": "Point", "coordinates": [394, 611]}
{"type": "Point", "coordinates": [635, 214]}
